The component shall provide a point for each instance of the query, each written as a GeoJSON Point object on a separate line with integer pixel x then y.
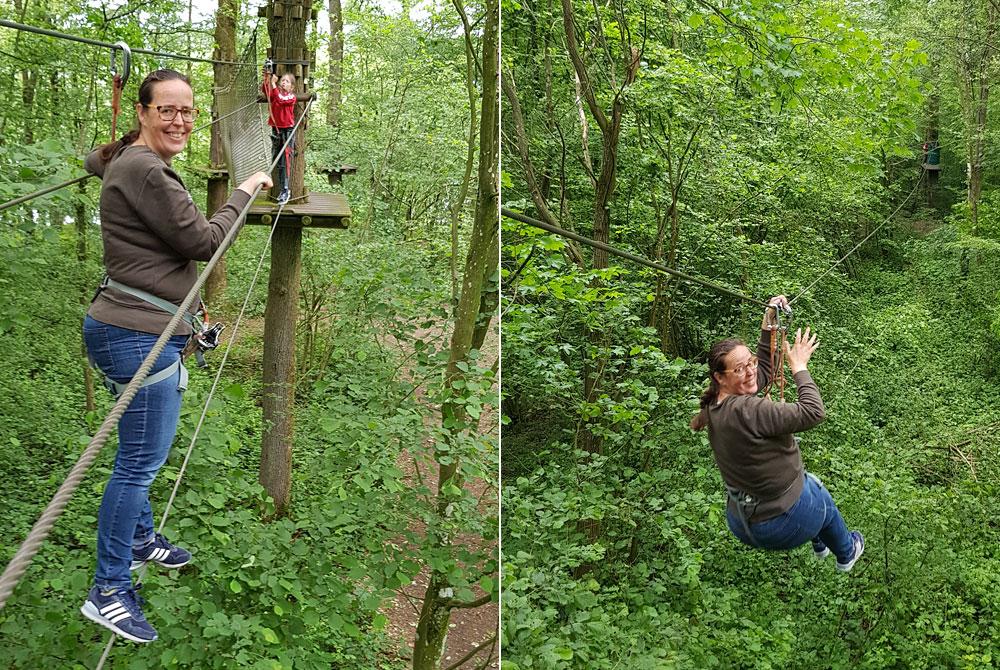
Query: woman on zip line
{"type": "Point", "coordinates": [153, 235]}
{"type": "Point", "coordinates": [772, 502]}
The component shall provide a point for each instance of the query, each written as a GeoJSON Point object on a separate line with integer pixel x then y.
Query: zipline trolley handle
{"type": "Point", "coordinates": [782, 319]}
{"type": "Point", "coordinates": [126, 62]}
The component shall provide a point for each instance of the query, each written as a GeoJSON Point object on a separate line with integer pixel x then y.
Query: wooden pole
{"type": "Point", "coordinates": [287, 34]}
{"type": "Point", "coordinates": [218, 183]}
{"type": "Point", "coordinates": [279, 365]}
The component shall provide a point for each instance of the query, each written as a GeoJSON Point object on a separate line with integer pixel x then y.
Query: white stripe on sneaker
{"type": "Point", "coordinates": [159, 554]}
{"type": "Point", "coordinates": [111, 609]}
{"type": "Point", "coordinates": [116, 619]}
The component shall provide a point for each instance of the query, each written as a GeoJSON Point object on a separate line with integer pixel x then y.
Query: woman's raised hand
{"type": "Point", "coordinates": [261, 179]}
{"type": "Point", "coordinates": [799, 352]}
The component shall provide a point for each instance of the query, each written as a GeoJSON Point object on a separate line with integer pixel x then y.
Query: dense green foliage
{"type": "Point", "coordinates": [309, 590]}
{"type": "Point", "coordinates": [759, 143]}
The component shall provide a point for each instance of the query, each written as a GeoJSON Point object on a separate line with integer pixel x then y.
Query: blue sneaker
{"type": "Point", "coordinates": [161, 552]}
{"type": "Point", "coordinates": [859, 548]}
{"type": "Point", "coordinates": [120, 611]}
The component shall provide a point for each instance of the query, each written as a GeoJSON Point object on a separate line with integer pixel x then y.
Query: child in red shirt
{"type": "Point", "coordinates": [281, 99]}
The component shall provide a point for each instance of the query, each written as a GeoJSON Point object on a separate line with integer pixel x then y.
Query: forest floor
{"type": "Point", "coordinates": [469, 628]}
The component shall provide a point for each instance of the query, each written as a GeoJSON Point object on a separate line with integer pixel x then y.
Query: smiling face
{"type": "Point", "coordinates": [740, 374]}
{"type": "Point", "coordinates": [166, 138]}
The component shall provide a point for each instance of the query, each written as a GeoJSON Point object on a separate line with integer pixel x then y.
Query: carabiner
{"type": "Point", "coordinates": [778, 323]}
{"type": "Point", "coordinates": [126, 62]}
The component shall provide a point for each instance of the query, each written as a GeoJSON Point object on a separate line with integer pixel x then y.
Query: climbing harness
{"type": "Point", "coordinates": [745, 505]}
{"type": "Point", "coordinates": [190, 319]}
{"type": "Point", "coordinates": [204, 337]}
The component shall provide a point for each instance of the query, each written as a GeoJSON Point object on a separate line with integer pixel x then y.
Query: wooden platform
{"type": "Point", "coordinates": [323, 210]}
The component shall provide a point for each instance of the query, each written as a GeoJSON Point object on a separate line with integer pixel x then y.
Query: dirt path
{"type": "Point", "coordinates": [469, 628]}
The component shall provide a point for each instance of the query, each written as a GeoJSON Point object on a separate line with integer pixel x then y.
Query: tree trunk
{"type": "Point", "coordinates": [279, 365]}
{"type": "Point", "coordinates": [470, 156]}
{"type": "Point", "coordinates": [225, 49]}
{"type": "Point", "coordinates": [336, 62]}
{"type": "Point", "coordinates": [432, 626]}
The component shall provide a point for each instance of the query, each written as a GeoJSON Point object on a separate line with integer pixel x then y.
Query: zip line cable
{"type": "Point", "coordinates": [109, 45]}
{"type": "Point", "coordinates": [70, 182]}
{"type": "Point", "coordinates": [44, 191]}
{"type": "Point", "coordinates": [867, 237]}
{"type": "Point", "coordinates": [204, 411]}
{"type": "Point", "coordinates": [663, 268]}
{"type": "Point", "coordinates": [624, 254]}
{"type": "Point", "coordinates": [22, 558]}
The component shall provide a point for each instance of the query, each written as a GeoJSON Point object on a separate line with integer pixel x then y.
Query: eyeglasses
{"type": "Point", "coordinates": [169, 112]}
{"type": "Point", "coordinates": [742, 368]}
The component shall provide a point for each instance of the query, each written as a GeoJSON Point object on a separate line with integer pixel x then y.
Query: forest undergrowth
{"type": "Point", "coordinates": [908, 367]}
{"type": "Point", "coordinates": [302, 591]}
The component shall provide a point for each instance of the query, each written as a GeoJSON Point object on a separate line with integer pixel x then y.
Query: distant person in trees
{"type": "Point", "coordinates": [772, 502]}
{"type": "Point", "coordinates": [153, 235]}
{"type": "Point", "coordinates": [281, 98]}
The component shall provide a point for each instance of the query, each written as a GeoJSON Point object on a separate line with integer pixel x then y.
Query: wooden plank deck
{"type": "Point", "coordinates": [323, 210]}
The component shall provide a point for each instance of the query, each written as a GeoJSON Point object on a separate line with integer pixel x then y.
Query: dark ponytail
{"type": "Point", "coordinates": [716, 363]}
{"type": "Point", "coordinates": [107, 151]}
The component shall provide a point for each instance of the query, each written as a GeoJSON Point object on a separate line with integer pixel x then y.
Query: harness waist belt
{"type": "Point", "coordinates": [168, 307]}
{"type": "Point", "coordinates": [166, 373]}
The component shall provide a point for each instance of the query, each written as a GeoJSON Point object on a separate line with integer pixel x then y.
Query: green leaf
{"type": "Point", "coordinates": [235, 586]}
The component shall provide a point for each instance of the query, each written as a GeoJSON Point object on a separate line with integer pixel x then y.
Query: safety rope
{"type": "Point", "coordinates": [108, 45]}
{"type": "Point", "coordinates": [70, 182]}
{"type": "Point", "coordinates": [510, 214]}
{"type": "Point", "coordinates": [22, 558]}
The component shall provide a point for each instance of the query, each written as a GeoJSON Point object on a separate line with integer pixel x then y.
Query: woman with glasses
{"type": "Point", "coordinates": [153, 235]}
{"type": "Point", "coordinates": [772, 502]}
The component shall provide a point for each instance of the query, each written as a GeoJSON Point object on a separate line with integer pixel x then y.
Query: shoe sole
{"type": "Point", "coordinates": [89, 610]}
{"type": "Point", "coordinates": [170, 566]}
{"type": "Point", "coordinates": [820, 557]}
{"type": "Point", "coordinates": [847, 567]}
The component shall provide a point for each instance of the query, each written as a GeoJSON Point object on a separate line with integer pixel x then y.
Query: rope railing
{"type": "Point", "coordinates": [22, 558]}
{"type": "Point", "coordinates": [31, 196]}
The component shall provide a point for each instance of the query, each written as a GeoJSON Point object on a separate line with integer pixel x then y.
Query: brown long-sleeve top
{"type": "Point", "coordinates": [153, 233]}
{"type": "Point", "coordinates": [752, 438]}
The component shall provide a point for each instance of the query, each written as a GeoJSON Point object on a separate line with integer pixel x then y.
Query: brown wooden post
{"type": "Point", "coordinates": [218, 180]}
{"type": "Point", "coordinates": [287, 35]}
{"type": "Point", "coordinates": [279, 365]}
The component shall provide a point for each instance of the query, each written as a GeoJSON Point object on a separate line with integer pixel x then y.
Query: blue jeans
{"type": "Point", "coordinates": [145, 435]}
{"type": "Point", "coordinates": [814, 517]}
